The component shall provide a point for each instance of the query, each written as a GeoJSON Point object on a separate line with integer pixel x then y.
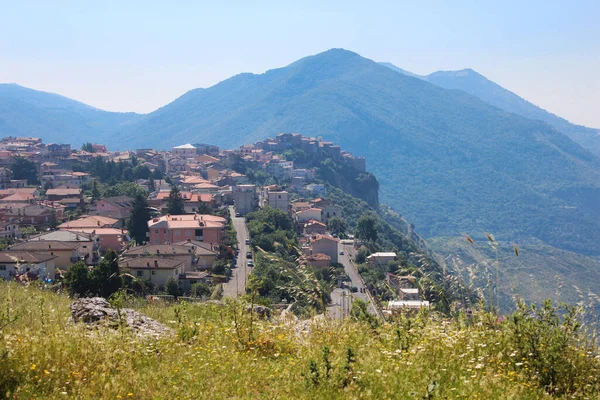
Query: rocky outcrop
{"type": "Point", "coordinates": [261, 311]}
{"type": "Point", "coordinates": [96, 311]}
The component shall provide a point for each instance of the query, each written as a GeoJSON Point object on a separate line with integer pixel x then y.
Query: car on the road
{"type": "Point", "coordinates": [247, 242]}
{"type": "Point", "coordinates": [341, 252]}
{"type": "Point", "coordinates": [250, 263]}
{"type": "Point", "coordinates": [238, 214]}
{"type": "Point", "coordinates": [249, 255]}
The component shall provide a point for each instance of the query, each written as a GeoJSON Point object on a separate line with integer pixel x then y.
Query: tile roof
{"type": "Point", "coordinates": [101, 231]}
{"type": "Point", "coordinates": [158, 249]}
{"type": "Point", "coordinates": [201, 248]}
{"type": "Point", "coordinates": [64, 236]}
{"type": "Point", "coordinates": [150, 263]}
{"type": "Point", "coordinates": [324, 237]}
{"type": "Point", "coordinates": [45, 245]}
{"type": "Point", "coordinates": [92, 221]}
{"type": "Point", "coordinates": [12, 257]}
{"type": "Point", "coordinates": [63, 192]}
{"type": "Point", "coordinates": [318, 256]}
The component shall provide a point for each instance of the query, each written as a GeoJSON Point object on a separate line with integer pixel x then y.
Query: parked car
{"type": "Point", "coordinates": [247, 242]}
{"type": "Point", "coordinates": [341, 252]}
{"type": "Point", "coordinates": [250, 263]}
{"type": "Point", "coordinates": [249, 254]}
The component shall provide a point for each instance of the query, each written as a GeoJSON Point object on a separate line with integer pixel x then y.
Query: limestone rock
{"type": "Point", "coordinates": [97, 311]}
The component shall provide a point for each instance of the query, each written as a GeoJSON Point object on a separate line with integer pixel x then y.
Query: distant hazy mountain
{"type": "Point", "coordinates": [398, 69]}
{"type": "Point", "coordinates": [494, 94]}
{"type": "Point", "coordinates": [55, 118]}
{"type": "Point", "coordinates": [448, 161]}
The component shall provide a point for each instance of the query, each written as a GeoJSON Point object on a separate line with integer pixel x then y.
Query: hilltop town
{"type": "Point", "coordinates": [60, 206]}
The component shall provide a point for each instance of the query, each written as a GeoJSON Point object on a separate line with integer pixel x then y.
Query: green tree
{"type": "Point", "coordinates": [142, 172]}
{"type": "Point", "coordinates": [95, 190]}
{"type": "Point", "coordinates": [77, 279]}
{"type": "Point", "coordinates": [28, 231]}
{"type": "Point", "coordinates": [128, 174]}
{"type": "Point", "coordinates": [172, 287]}
{"type": "Point", "coordinates": [151, 184]}
{"type": "Point", "coordinates": [52, 221]}
{"type": "Point", "coordinates": [105, 278]}
{"type": "Point", "coordinates": [336, 225]}
{"type": "Point", "coordinates": [130, 189]}
{"type": "Point", "coordinates": [200, 290]}
{"type": "Point", "coordinates": [138, 223]}
{"type": "Point", "coordinates": [157, 174]}
{"type": "Point", "coordinates": [204, 208]}
{"type": "Point", "coordinates": [366, 228]}
{"type": "Point", "coordinates": [22, 168]}
{"type": "Point", "coordinates": [88, 147]}
{"type": "Point", "coordinates": [175, 203]}
{"type": "Point", "coordinates": [362, 254]}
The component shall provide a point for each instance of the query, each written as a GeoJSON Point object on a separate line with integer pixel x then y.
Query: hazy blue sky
{"type": "Point", "coordinates": [139, 55]}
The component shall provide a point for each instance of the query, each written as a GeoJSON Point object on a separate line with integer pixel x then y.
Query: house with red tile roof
{"type": "Point", "coordinates": [91, 221]}
{"type": "Point", "coordinates": [175, 228]}
{"type": "Point", "coordinates": [325, 244]}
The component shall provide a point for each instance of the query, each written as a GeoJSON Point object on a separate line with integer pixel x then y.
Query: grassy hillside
{"type": "Point", "coordinates": [539, 272]}
{"type": "Point", "coordinates": [222, 352]}
{"type": "Point", "coordinates": [54, 118]}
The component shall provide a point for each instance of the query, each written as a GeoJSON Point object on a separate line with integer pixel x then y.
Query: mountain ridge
{"type": "Point", "coordinates": [476, 84]}
{"type": "Point", "coordinates": [54, 117]}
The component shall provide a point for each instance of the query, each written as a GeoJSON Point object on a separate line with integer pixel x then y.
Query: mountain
{"type": "Point", "coordinates": [55, 118]}
{"type": "Point", "coordinates": [478, 85]}
{"type": "Point", "coordinates": [450, 162]}
{"type": "Point", "coordinates": [400, 70]}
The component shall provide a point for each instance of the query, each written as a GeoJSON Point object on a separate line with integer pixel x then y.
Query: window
{"type": "Point", "coordinates": [199, 232]}
{"type": "Point", "coordinates": [177, 232]}
{"type": "Point", "coordinates": [165, 232]}
{"type": "Point", "coordinates": [156, 231]}
{"type": "Point", "coordinates": [2, 267]}
{"type": "Point", "coordinates": [153, 272]}
{"type": "Point", "coordinates": [156, 241]}
{"type": "Point", "coordinates": [140, 273]}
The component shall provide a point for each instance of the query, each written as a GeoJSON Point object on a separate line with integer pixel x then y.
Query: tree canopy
{"type": "Point", "coordinates": [22, 168]}
{"type": "Point", "coordinates": [138, 223]}
{"type": "Point", "coordinates": [175, 203]}
{"type": "Point", "coordinates": [337, 226]}
{"type": "Point", "coordinates": [366, 228]}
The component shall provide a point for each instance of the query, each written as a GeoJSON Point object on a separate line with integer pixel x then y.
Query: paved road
{"type": "Point", "coordinates": [236, 286]}
{"type": "Point", "coordinates": [352, 272]}
{"type": "Point", "coordinates": [341, 304]}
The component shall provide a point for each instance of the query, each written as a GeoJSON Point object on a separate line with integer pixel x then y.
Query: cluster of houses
{"type": "Point", "coordinates": [180, 246]}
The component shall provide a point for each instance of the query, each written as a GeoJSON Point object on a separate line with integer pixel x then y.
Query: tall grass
{"type": "Point", "coordinates": [213, 355]}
